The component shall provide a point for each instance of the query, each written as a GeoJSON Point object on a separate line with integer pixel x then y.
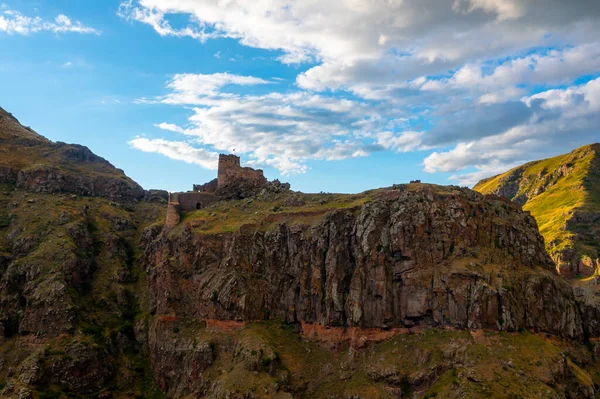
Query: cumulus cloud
{"type": "Point", "coordinates": [306, 30]}
{"type": "Point", "coordinates": [170, 127]}
{"type": "Point", "coordinates": [281, 130]}
{"type": "Point", "coordinates": [556, 66]}
{"type": "Point", "coordinates": [477, 121]}
{"type": "Point", "coordinates": [370, 49]}
{"type": "Point", "coordinates": [14, 22]}
{"type": "Point", "coordinates": [190, 88]}
{"type": "Point", "coordinates": [456, 77]}
{"type": "Point", "coordinates": [561, 119]}
{"type": "Point", "coordinates": [177, 150]}
{"type": "Point", "coordinates": [403, 142]}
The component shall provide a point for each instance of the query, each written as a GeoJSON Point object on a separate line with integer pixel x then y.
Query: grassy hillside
{"type": "Point", "coordinates": [31, 161]}
{"type": "Point", "coordinates": [70, 293]}
{"type": "Point", "coordinates": [267, 209]}
{"type": "Point", "coordinates": [563, 194]}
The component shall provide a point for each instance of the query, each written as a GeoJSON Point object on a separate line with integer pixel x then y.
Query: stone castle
{"type": "Point", "coordinates": [232, 181]}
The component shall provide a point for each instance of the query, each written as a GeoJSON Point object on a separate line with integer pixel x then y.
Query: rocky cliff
{"type": "Point", "coordinates": [563, 194]}
{"type": "Point", "coordinates": [68, 279]}
{"type": "Point", "coordinates": [413, 256]}
{"type": "Point", "coordinates": [410, 256]}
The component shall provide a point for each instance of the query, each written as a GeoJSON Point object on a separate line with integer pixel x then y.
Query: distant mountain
{"type": "Point", "coordinates": [563, 194]}
{"type": "Point", "coordinates": [34, 163]}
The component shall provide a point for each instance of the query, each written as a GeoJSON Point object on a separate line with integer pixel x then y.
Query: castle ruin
{"type": "Point", "coordinates": [233, 181]}
{"type": "Point", "coordinates": [230, 171]}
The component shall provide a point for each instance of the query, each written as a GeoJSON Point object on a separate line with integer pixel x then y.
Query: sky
{"type": "Point", "coordinates": [334, 96]}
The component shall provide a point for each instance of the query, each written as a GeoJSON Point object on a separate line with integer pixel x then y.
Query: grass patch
{"type": "Point", "coordinates": [230, 216]}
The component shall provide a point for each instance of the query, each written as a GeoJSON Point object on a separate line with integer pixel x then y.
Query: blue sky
{"type": "Point", "coordinates": [341, 96]}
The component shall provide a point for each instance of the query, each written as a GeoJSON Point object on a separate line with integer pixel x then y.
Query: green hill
{"type": "Point", "coordinates": [563, 194]}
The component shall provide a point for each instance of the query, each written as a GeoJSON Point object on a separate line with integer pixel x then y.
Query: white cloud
{"type": "Point", "coordinates": [13, 22]}
{"type": "Point", "coordinates": [177, 150]}
{"type": "Point", "coordinates": [557, 66]}
{"type": "Point", "coordinates": [349, 30]}
{"type": "Point", "coordinates": [561, 119]}
{"type": "Point", "coordinates": [170, 127]}
{"type": "Point", "coordinates": [283, 131]}
{"type": "Point", "coordinates": [190, 88]}
{"type": "Point", "coordinates": [404, 142]}
{"type": "Point", "coordinates": [156, 20]}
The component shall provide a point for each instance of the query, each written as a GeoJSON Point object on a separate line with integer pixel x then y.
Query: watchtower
{"type": "Point", "coordinates": [229, 164]}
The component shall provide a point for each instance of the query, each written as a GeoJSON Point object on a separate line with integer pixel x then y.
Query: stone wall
{"type": "Point", "coordinates": [209, 187]}
{"type": "Point", "coordinates": [172, 214]}
{"type": "Point", "coordinates": [191, 201]}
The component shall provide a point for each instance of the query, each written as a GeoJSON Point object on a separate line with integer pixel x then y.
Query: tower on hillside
{"type": "Point", "coordinates": [228, 164]}
{"type": "Point", "coordinates": [231, 171]}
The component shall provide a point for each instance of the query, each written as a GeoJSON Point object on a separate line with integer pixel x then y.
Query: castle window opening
{"type": "Point", "coordinates": [198, 205]}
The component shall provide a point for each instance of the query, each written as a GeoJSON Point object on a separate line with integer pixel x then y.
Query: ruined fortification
{"type": "Point", "coordinates": [230, 171]}
{"type": "Point", "coordinates": [232, 181]}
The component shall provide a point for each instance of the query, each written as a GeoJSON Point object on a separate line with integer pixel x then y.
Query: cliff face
{"type": "Point", "coordinates": [412, 257]}
{"type": "Point", "coordinates": [563, 194]}
{"type": "Point", "coordinates": [425, 257]}
{"type": "Point", "coordinates": [68, 280]}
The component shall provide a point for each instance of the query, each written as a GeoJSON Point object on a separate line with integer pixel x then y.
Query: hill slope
{"type": "Point", "coordinates": [563, 194]}
{"type": "Point", "coordinates": [69, 283]}
{"type": "Point", "coordinates": [34, 163]}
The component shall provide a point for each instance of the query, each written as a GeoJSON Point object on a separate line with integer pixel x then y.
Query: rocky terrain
{"type": "Point", "coordinates": [405, 292]}
{"type": "Point", "coordinates": [563, 194]}
{"type": "Point", "coordinates": [69, 295]}
{"type": "Point", "coordinates": [356, 269]}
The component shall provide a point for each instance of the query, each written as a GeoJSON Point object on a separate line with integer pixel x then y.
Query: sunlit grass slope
{"type": "Point", "coordinates": [553, 190]}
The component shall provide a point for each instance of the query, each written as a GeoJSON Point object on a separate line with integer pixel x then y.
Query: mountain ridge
{"type": "Point", "coordinates": [563, 194]}
{"type": "Point", "coordinates": [32, 162]}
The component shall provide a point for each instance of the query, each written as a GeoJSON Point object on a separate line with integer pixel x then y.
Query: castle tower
{"type": "Point", "coordinates": [236, 180]}
{"type": "Point", "coordinates": [228, 164]}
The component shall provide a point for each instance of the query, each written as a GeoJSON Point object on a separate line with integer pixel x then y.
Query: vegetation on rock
{"type": "Point", "coordinates": [563, 194]}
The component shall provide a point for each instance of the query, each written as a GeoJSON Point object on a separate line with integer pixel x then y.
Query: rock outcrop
{"type": "Point", "coordinates": [43, 179]}
{"type": "Point", "coordinates": [68, 219]}
{"type": "Point", "coordinates": [407, 258]}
